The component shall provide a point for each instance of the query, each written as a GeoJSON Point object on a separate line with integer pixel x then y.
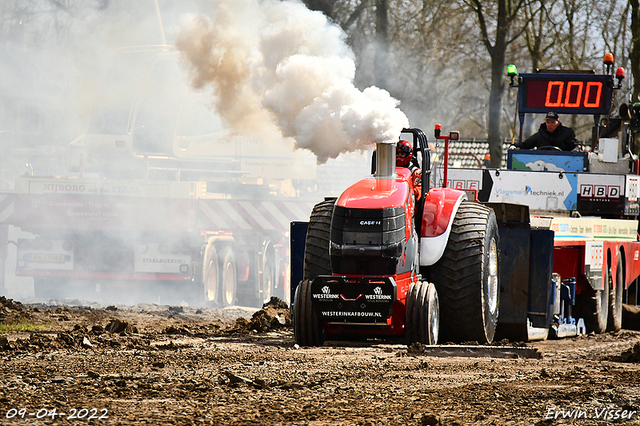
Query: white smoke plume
{"type": "Point", "coordinates": [275, 66]}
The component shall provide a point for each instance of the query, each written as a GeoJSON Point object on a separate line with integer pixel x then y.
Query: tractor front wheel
{"type": "Point", "coordinates": [422, 314]}
{"type": "Point", "coordinates": [307, 329]}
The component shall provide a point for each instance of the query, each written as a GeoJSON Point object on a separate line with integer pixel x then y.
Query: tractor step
{"type": "Point", "coordinates": [480, 351]}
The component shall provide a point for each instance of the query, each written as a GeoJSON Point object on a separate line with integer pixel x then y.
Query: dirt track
{"type": "Point", "coordinates": [150, 364]}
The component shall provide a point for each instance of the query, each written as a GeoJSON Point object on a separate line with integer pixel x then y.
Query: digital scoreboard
{"type": "Point", "coordinates": [565, 93]}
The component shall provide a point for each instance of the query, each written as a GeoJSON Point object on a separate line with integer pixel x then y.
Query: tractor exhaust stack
{"type": "Point", "coordinates": [385, 160]}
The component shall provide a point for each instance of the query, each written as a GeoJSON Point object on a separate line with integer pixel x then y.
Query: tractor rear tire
{"type": "Point", "coordinates": [614, 322]}
{"type": "Point", "coordinates": [467, 277]}
{"type": "Point", "coordinates": [422, 314]}
{"type": "Point", "coordinates": [307, 329]}
{"type": "Point", "coordinates": [316, 251]}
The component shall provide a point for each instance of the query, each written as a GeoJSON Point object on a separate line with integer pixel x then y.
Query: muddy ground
{"type": "Point", "coordinates": [162, 365]}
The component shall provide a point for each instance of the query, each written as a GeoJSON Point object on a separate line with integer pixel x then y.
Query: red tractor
{"type": "Point", "coordinates": [393, 258]}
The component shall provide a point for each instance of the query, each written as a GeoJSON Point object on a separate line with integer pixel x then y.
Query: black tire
{"type": "Point", "coordinates": [549, 148]}
{"type": "Point", "coordinates": [316, 250]}
{"type": "Point", "coordinates": [229, 277]}
{"type": "Point", "coordinates": [208, 277]}
{"type": "Point", "coordinates": [307, 329]}
{"type": "Point", "coordinates": [467, 277]}
{"type": "Point", "coordinates": [593, 307]}
{"type": "Point", "coordinates": [422, 314]}
{"type": "Point", "coordinates": [614, 321]}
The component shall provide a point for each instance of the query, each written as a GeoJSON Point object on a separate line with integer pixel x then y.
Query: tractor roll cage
{"type": "Point", "coordinates": [420, 144]}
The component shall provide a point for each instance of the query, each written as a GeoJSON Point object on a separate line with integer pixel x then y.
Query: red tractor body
{"type": "Point", "coordinates": [368, 255]}
{"type": "Point", "coordinates": [373, 244]}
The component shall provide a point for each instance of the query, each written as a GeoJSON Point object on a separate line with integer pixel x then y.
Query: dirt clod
{"type": "Point", "coordinates": [631, 355]}
{"type": "Point", "coordinates": [429, 420]}
{"type": "Point", "coordinates": [275, 314]}
{"type": "Point", "coordinates": [116, 326]}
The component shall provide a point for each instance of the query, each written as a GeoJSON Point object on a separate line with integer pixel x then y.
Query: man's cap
{"type": "Point", "coordinates": [552, 116]}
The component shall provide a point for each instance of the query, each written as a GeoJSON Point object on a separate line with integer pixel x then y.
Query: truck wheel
{"type": "Point", "coordinates": [307, 329]}
{"type": "Point", "coordinates": [422, 314]}
{"type": "Point", "coordinates": [267, 283]}
{"type": "Point", "coordinates": [229, 276]}
{"type": "Point", "coordinates": [593, 307]}
{"type": "Point", "coordinates": [267, 287]}
{"type": "Point", "coordinates": [207, 279]}
{"type": "Point", "coordinates": [210, 278]}
{"type": "Point", "coordinates": [467, 277]}
{"type": "Point", "coordinates": [614, 322]}
{"type": "Point", "coordinates": [316, 250]}
{"type": "Point", "coordinates": [49, 288]}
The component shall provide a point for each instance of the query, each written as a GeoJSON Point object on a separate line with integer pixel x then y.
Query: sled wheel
{"type": "Point", "coordinates": [467, 278]}
{"type": "Point", "coordinates": [307, 329]}
{"type": "Point", "coordinates": [614, 322]}
{"type": "Point", "coordinates": [593, 307]}
{"type": "Point", "coordinates": [316, 251]}
{"type": "Point", "coordinates": [422, 314]}
{"type": "Point", "coordinates": [229, 276]}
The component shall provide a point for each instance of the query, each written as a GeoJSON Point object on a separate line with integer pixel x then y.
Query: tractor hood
{"type": "Point", "coordinates": [370, 230]}
{"type": "Point", "coordinates": [377, 193]}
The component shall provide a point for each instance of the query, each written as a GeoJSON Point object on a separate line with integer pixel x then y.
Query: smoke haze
{"type": "Point", "coordinates": [277, 68]}
{"type": "Point", "coordinates": [84, 91]}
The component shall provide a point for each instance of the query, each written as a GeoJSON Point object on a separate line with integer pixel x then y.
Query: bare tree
{"type": "Point", "coordinates": [381, 61]}
{"type": "Point", "coordinates": [342, 12]}
{"type": "Point", "coordinates": [324, 6]}
{"type": "Point", "coordinates": [634, 56]}
{"type": "Point", "coordinates": [31, 23]}
{"type": "Point", "coordinates": [496, 21]}
{"type": "Point", "coordinates": [539, 32]}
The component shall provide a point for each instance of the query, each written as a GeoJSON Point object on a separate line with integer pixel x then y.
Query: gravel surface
{"type": "Point", "coordinates": [164, 365]}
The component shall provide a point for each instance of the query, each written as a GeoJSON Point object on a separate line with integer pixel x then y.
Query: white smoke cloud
{"type": "Point", "coordinates": [277, 68]}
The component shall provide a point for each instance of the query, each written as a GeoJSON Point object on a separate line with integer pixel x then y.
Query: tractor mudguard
{"type": "Point", "coordinates": [440, 207]}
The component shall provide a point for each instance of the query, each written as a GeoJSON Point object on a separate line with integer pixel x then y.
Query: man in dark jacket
{"type": "Point", "coordinates": [551, 133]}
